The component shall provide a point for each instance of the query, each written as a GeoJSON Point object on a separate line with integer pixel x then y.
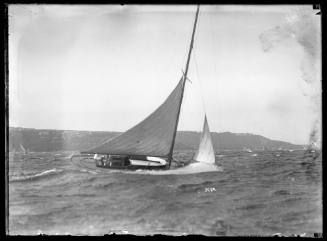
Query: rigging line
{"type": "Point", "coordinates": [197, 68]}
{"type": "Point", "coordinates": [213, 49]}
{"type": "Point", "coordinates": [212, 40]}
{"type": "Point", "coordinates": [200, 85]}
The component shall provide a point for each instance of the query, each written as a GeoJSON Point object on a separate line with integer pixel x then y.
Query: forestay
{"type": "Point", "coordinates": [205, 152]}
{"type": "Point", "coordinates": [151, 137]}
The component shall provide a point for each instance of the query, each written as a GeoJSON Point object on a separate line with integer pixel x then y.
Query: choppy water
{"type": "Point", "coordinates": [259, 193]}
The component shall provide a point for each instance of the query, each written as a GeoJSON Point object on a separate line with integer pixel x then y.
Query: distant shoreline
{"type": "Point", "coordinates": [54, 140]}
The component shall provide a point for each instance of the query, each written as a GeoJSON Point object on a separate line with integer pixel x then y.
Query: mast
{"type": "Point", "coordinates": [170, 156]}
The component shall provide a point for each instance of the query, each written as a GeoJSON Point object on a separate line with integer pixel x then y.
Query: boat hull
{"type": "Point", "coordinates": [126, 163]}
{"type": "Point", "coordinates": [135, 167]}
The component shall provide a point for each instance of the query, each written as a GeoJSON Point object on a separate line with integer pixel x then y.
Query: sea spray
{"type": "Point", "coordinates": [43, 174]}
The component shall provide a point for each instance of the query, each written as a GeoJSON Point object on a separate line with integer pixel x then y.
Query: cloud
{"type": "Point", "coordinates": [303, 26]}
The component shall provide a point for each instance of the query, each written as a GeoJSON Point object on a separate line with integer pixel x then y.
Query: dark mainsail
{"type": "Point", "coordinates": [152, 136]}
{"type": "Point", "coordinates": [155, 135]}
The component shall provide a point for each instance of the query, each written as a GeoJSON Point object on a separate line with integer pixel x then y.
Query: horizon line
{"type": "Point", "coordinates": [177, 131]}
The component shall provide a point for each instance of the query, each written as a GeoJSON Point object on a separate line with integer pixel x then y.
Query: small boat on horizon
{"type": "Point", "coordinates": [247, 149]}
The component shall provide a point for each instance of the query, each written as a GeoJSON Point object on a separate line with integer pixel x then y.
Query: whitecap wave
{"type": "Point", "coordinates": [35, 176]}
{"type": "Point", "coordinates": [89, 171]}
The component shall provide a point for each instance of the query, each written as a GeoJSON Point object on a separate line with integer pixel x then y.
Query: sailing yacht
{"type": "Point", "coordinates": [24, 150]}
{"type": "Point", "coordinates": [150, 143]}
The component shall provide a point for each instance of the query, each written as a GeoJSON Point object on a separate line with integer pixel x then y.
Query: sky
{"type": "Point", "coordinates": [254, 69]}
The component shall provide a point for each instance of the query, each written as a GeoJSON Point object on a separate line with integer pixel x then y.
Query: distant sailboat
{"type": "Point", "coordinates": [23, 149]}
{"type": "Point", "coordinates": [150, 143]}
{"type": "Point", "coordinates": [247, 149]}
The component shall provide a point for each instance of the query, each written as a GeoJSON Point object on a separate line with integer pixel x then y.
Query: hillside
{"type": "Point", "coordinates": [39, 140]}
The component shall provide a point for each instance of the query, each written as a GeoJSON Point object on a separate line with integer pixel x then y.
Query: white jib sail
{"type": "Point", "coordinates": [22, 148]}
{"type": "Point", "coordinates": [205, 152]}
